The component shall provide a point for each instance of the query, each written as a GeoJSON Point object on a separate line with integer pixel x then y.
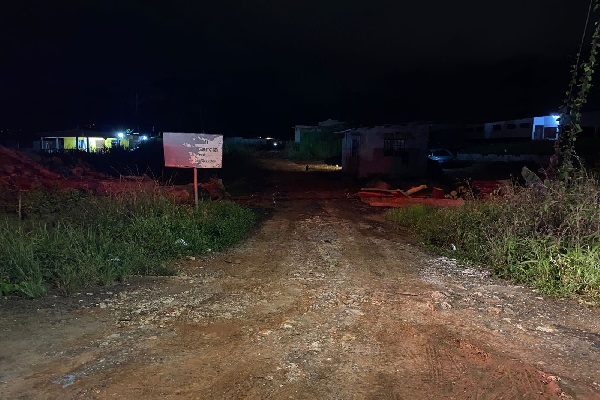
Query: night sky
{"type": "Point", "coordinates": [251, 67]}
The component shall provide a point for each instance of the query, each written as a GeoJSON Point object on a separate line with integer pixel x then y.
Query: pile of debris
{"type": "Point", "coordinates": [415, 195]}
{"type": "Point", "coordinates": [379, 193]}
{"type": "Point", "coordinates": [215, 188]}
{"type": "Point", "coordinates": [486, 189]}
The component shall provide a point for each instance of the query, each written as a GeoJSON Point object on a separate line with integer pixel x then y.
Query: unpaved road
{"type": "Point", "coordinates": [325, 301]}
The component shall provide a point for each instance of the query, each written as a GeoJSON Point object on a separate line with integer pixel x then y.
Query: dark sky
{"type": "Point", "coordinates": [245, 67]}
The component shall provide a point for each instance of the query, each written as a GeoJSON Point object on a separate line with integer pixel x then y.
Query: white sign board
{"type": "Point", "coordinates": [193, 150]}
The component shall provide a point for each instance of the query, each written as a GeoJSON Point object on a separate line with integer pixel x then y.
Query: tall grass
{"type": "Point", "coordinates": [547, 237]}
{"type": "Point", "coordinates": [70, 241]}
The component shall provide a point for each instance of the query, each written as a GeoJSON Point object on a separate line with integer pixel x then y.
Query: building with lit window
{"type": "Point", "coordinates": [546, 127]}
{"type": "Point", "coordinates": [86, 140]}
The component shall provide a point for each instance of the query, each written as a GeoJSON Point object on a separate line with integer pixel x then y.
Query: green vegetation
{"type": "Point", "coordinates": [315, 146]}
{"type": "Point", "coordinates": [547, 237]}
{"type": "Point", "coordinates": [69, 240]}
{"type": "Point", "coordinates": [239, 149]}
{"type": "Point", "coordinates": [565, 159]}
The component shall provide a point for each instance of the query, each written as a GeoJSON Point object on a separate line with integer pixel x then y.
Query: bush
{"type": "Point", "coordinates": [545, 237]}
{"type": "Point", "coordinates": [99, 240]}
{"type": "Point", "coordinates": [315, 146]}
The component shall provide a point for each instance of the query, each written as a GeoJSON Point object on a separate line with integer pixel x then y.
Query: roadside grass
{"type": "Point", "coordinates": [548, 238]}
{"type": "Point", "coordinates": [70, 240]}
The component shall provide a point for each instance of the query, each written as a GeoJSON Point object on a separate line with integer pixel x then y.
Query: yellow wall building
{"type": "Point", "coordinates": [83, 140]}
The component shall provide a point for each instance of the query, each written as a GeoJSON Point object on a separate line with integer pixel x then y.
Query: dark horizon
{"type": "Point", "coordinates": [241, 69]}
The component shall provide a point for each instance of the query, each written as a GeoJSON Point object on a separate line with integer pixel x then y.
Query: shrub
{"type": "Point", "coordinates": [315, 146]}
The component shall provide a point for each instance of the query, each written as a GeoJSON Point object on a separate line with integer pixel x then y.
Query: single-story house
{"type": "Point", "coordinates": [397, 150]}
{"type": "Point", "coordinates": [86, 140]}
{"type": "Point", "coordinates": [514, 128]}
{"type": "Point", "coordinates": [328, 126]}
{"type": "Point", "coordinates": [540, 128]}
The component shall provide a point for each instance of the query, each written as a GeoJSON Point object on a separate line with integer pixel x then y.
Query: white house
{"type": "Point", "coordinates": [539, 128]}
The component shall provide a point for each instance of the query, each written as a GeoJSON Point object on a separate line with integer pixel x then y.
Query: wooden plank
{"type": "Point", "coordinates": [404, 202]}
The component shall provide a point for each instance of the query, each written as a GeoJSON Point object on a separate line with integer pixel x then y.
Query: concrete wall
{"type": "Point", "coordinates": [474, 131]}
{"type": "Point", "coordinates": [515, 128]}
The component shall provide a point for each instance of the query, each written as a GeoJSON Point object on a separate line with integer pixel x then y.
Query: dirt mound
{"type": "Point", "coordinates": [20, 173]}
{"type": "Point", "coordinates": [16, 169]}
{"type": "Point", "coordinates": [73, 168]}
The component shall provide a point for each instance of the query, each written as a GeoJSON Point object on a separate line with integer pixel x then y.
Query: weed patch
{"type": "Point", "coordinates": [70, 240]}
{"type": "Point", "coordinates": [548, 238]}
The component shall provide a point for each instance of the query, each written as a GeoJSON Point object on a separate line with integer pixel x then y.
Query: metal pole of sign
{"type": "Point", "coordinates": [196, 186]}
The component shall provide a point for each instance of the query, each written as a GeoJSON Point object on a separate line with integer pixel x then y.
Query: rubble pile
{"type": "Point", "coordinates": [421, 194]}
{"type": "Point", "coordinates": [379, 193]}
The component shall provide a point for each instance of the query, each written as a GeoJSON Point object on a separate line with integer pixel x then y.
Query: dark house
{"type": "Point", "coordinates": [395, 150]}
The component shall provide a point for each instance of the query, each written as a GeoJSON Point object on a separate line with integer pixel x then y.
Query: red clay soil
{"type": "Point", "coordinates": [326, 300]}
{"type": "Point", "coordinates": [20, 173]}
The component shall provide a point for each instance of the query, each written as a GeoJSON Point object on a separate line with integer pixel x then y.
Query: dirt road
{"type": "Point", "coordinates": [325, 301]}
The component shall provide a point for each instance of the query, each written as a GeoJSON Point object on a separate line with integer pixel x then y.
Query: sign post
{"type": "Point", "coordinates": [193, 150]}
{"type": "Point", "coordinates": [196, 187]}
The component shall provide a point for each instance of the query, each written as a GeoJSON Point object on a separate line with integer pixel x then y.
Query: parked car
{"type": "Point", "coordinates": [441, 156]}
